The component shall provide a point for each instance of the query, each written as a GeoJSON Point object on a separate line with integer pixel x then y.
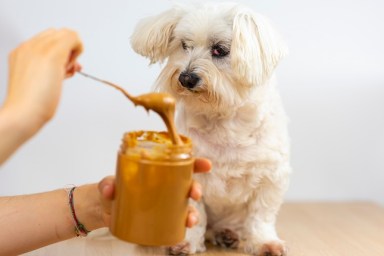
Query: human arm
{"type": "Point", "coordinates": [32, 221]}
{"type": "Point", "coordinates": [36, 71]}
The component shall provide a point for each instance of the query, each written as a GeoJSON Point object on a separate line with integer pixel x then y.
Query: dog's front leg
{"type": "Point", "coordinates": [259, 226]}
{"type": "Point", "coordinates": [194, 240]}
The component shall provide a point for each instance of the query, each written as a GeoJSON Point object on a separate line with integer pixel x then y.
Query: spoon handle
{"type": "Point", "coordinates": [108, 83]}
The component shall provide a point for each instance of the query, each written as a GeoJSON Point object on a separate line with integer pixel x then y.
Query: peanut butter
{"type": "Point", "coordinates": [163, 104]}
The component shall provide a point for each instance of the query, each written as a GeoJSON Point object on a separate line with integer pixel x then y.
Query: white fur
{"type": "Point", "coordinates": [234, 115]}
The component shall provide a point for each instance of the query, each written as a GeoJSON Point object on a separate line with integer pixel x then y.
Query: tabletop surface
{"type": "Point", "coordinates": [309, 229]}
{"type": "Point", "coordinates": [327, 229]}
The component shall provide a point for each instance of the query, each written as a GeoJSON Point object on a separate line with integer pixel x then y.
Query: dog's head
{"type": "Point", "coordinates": [216, 52]}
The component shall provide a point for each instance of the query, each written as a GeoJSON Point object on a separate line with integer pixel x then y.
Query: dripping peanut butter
{"type": "Point", "coordinates": [161, 103]}
{"type": "Point", "coordinates": [164, 105]}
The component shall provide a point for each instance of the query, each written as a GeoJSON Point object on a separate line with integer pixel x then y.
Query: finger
{"type": "Point", "coordinates": [75, 47]}
{"type": "Point", "coordinates": [78, 67]}
{"type": "Point", "coordinates": [193, 217]}
{"type": "Point", "coordinates": [72, 70]}
{"type": "Point", "coordinates": [107, 187]}
{"type": "Point", "coordinates": [34, 41]}
{"type": "Point", "coordinates": [202, 165]}
{"type": "Point", "coordinates": [196, 191]}
{"type": "Point", "coordinates": [43, 35]}
{"type": "Point", "coordinates": [70, 44]}
{"type": "Point", "coordinates": [64, 44]}
{"type": "Point", "coordinates": [70, 39]}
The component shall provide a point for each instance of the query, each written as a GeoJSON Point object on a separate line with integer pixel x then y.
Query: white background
{"type": "Point", "coordinates": [332, 85]}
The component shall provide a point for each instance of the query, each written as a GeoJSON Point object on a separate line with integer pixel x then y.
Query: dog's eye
{"type": "Point", "coordinates": [219, 51]}
{"type": "Point", "coordinates": [184, 45]}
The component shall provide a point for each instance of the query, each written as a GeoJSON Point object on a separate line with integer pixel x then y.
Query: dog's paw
{"type": "Point", "coordinates": [271, 248]}
{"type": "Point", "coordinates": [227, 238]}
{"type": "Point", "coordinates": [183, 248]}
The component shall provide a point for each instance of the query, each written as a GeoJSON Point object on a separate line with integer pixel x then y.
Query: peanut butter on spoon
{"type": "Point", "coordinates": [161, 103]}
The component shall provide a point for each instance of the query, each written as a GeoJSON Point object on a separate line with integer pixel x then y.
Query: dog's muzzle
{"type": "Point", "coordinates": [189, 80]}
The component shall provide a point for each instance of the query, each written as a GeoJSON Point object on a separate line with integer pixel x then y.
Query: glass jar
{"type": "Point", "coordinates": [153, 180]}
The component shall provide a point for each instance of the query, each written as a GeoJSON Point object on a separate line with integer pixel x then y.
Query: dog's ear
{"type": "Point", "coordinates": [152, 35]}
{"type": "Point", "coordinates": [256, 47]}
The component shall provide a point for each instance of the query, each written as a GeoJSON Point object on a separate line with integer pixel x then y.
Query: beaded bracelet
{"type": "Point", "coordinates": [80, 229]}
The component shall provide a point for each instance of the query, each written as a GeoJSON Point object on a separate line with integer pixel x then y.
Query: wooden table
{"type": "Point", "coordinates": [327, 229]}
{"type": "Point", "coordinates": [310, 229]}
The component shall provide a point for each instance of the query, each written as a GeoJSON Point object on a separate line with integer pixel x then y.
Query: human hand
{"type": "Point", "coordinates": [36, 71]}
{"type": "Point", "coordinates": [107, 190]}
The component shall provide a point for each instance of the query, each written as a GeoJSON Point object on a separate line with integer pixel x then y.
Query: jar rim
{"type": "Point", "coordinates": [132, 139]}
{"type": "Point", "coordinates": [155, 145]}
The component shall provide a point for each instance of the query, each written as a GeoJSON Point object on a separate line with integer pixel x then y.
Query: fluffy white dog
{"type": "Point", "coordinates": [221, 60]}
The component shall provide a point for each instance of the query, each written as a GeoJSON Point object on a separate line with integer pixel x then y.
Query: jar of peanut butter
{"type": "Point", "coordinates": [153, 179]}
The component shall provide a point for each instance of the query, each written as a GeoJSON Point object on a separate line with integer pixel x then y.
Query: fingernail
{"type": "Point", "coordinates": [105, 188]}
{"type": "Point", "coordinates": [194, 219]}
{"type": "Point", "coordinates": [199, 190]}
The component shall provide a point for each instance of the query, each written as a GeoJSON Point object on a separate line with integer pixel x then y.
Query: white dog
{"type": "Point", "coordinates": [221, 59]}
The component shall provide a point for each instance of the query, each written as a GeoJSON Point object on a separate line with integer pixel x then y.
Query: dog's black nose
{"type": "Point", "coordinates": [189, 80]}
